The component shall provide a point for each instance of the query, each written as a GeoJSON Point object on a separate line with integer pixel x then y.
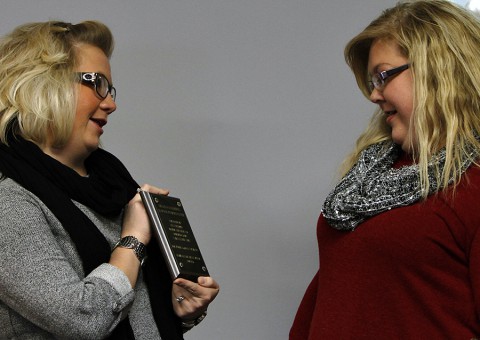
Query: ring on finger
{"type": "Point", "coordinates": [180, 298]}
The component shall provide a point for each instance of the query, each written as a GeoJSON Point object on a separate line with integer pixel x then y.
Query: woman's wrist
{"type": "Point", "coordinates": [189, 324]}
{"type": "Point", "coordinates": [131, 242]}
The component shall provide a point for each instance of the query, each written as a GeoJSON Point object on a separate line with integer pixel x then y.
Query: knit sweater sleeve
{"type": "Point", "coordinates": [42, 280]}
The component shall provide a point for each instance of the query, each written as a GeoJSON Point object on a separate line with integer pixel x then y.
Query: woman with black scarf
{"type": "Point", "coordinates": [73, 230]}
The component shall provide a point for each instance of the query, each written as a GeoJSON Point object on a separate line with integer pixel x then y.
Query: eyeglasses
{"type": "Point", "coordinates": [99, 82]}
{"type": "Point", "coordinates": [379, 80]}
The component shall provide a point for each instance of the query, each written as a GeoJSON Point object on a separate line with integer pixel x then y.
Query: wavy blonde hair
{"type": "Point", "coordinates": [442, 43]}
{"type": "Point", "coordinates": [37, 62]}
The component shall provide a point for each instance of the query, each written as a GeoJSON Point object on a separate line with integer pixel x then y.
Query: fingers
{"type": "Point", "coordinates": [187, 305]}
{"type": "Point", "coordinates": [135, 220]}
{"type": "Point", "coordinates": [206, 287]}
{"type": "Point", "coordinates": [208, 282]}
{"type": "Point", "coordinates": [154, 190]}
{"type": "Point", "coordinates": [191, 299]}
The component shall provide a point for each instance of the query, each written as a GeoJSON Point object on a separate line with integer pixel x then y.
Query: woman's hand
{"type": "Point", "coordinates": [196, 296]}
{"type": "Point", "coordinates": [135, 219]}
{"type": "Point", "coordinates": [137, 224]}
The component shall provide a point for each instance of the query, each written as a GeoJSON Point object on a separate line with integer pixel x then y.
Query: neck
{"type": "Point", "coordinates": [76, 163]}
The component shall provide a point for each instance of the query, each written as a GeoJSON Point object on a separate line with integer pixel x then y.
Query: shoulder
{"type": "Point", "coordinates": [18, 205]}
{"type": "Point", "coordinates": [9, 190]}
{"type": "Point", "coordinates": [8, 183]}
{"type": "Point", "coordinates": [467, 191]}
{"type": "Point", "coordinates": [12, 193]}
{"type": "Point", "coordinates": [464, 200]}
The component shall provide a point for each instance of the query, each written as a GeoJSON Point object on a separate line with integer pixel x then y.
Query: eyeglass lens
{"type": "Point", "coordinates": [100, 83]}
{"type": "Point", "coordinates": [378, 80]}
{"type": "Point", "coordinates": [103, 87]}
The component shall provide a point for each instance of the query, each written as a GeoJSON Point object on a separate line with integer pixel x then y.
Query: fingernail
{"type": "Point", "coordinates": [201, 280]}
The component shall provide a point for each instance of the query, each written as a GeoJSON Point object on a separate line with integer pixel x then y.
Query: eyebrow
{"type": "Point", "coordinates": [377, 67]}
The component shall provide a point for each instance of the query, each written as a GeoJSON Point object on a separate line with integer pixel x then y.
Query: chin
{"type": "Point", "coordinates": [406, 148]}
{"type": "Point", "coordinates": [404, 144]}
{"type": "Point", "coordinates": [400, 140]}
{"type": "Point", "coordinates": [92, 148]}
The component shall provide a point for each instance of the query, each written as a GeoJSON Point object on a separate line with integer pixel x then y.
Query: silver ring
{"type": "Point", "coordinates": [180, 298]}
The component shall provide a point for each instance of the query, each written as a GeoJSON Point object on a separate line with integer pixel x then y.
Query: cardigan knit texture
{"type": "Point", "coordinates": [63, 303]}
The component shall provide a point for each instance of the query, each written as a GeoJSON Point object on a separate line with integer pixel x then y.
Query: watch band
{"type": "Point", "coordinates": [188, 325]}
{"type": "Point", "coordinates": [131, 242]}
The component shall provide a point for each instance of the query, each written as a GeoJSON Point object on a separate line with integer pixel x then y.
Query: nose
{"type": "Point", "coordinates": [108, 104]}
{"type": "Point", "coordinates": [376, 96]}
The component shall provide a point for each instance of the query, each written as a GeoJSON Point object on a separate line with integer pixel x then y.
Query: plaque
{"type": "Point", "coordinates": [175, 236]}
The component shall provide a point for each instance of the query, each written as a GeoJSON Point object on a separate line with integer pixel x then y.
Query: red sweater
{"type": "Point", "coordinates": [409, 273]}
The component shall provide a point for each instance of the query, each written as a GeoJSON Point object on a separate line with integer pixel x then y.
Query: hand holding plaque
{"type": "Point", "coordinates": [174, 236]}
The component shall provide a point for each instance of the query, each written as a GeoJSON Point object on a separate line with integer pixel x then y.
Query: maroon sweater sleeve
{"type": "Point", "coordinates": [303, 319]}
{"type": "Point", "coordinates": [475, 271]}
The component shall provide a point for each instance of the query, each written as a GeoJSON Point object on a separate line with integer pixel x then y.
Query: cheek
{"type": "Point", "coordinates": [86, 108]}
{"type": "Point", "coordinates": [87, 102]}
{"type": "Point", "coordinates": [402, 99]}
{"type": "Point", "coordinates": [83, 114]}
{"type": "Point", "coordinates": [406, 107]}
{"type": "Point", "coordinates": [80, 115]}
{"type": "Point", "coordinates": [405, 95]}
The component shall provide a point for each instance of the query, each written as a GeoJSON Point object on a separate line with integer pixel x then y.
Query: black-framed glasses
{"type": "Point", "coordinates": [99, 82]}
{"type": "Point", "coordinates": [379, 80]}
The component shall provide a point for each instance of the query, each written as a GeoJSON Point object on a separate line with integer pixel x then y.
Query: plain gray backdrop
{"type": "Point", "coordinates": [244, 109]}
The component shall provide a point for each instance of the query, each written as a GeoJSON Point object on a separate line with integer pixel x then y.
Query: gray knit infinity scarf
{"type": "Point", "coordinates": [372, 186]}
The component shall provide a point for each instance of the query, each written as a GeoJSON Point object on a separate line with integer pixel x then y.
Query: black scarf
{"type": "Point", "coordinates": [107, 190]}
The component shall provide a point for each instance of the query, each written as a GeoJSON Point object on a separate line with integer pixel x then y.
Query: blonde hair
{"type": "Point", "coordinates": [37, 62]}
{"type": "Point", "coordinates": [442, 43]}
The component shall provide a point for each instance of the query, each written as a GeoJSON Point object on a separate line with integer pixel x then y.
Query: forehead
{"type": "Point", "coordinates": [90, 58]}
{"type": "Point", "coordinates": [384, 53]}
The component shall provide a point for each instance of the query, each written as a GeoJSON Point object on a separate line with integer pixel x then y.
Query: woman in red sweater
{"type": "Point", "coordinates": [399, 236]}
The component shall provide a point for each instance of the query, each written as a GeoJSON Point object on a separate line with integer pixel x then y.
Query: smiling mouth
{"type": "Point", "coordinates": [99, 122]}
{"type": "Point", "coordinates": [389, 113]}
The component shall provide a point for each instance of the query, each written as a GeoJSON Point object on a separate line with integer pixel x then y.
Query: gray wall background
{"type": "Point", "coordinates": [244, 109]}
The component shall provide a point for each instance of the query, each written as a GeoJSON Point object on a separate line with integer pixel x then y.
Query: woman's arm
{"type": "Point", "coordinates": [41, 274]}
{"type": "Point", "coordinates": [136, 224]}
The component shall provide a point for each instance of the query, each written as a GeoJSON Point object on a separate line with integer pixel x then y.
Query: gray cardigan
{"type": "Point", "coordinates": [44, 293]}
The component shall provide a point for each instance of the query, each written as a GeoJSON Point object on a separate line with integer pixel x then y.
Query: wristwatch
{"type": "Point", "coordinates": [131, 242]}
